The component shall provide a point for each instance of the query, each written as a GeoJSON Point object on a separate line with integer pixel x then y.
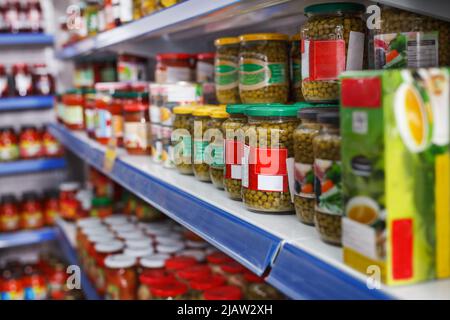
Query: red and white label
{"type": "Point", "coordinates": [265, 169]}
{"type": "Point", "coordinates": [234, 151]}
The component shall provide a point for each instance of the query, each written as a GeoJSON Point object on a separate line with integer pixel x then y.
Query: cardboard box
{"type": "Point", "coordinates": [395, 172]}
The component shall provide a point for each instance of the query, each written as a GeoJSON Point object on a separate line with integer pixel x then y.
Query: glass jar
{"type": "Point", "coordinates": [174, 67]}
{"type": "Point", "coordinates": [162, 4]}
{"type": "Point", "coordinates": [9, 147]}
{"type": "Point", "coordinates": [31, 213]}
{"type": "Point", "coordinates": [179, 263]}
{"type": "Point", "coordinates": [68, 202]}
{"type": "Point", "coordinates": [102, 250]}
{"type": "Point", "coordinates": [200, 125]}
{"type": "Point", "coordinates": [73, 101]}
{"type": "Point", "coordinates": [148, 7]}
{"type": "Point", "coordinates": [9, 213]}
{"type": "Point", "coordinates": [147, 213]}
{"type": "Point", "coordinates": [137, 134]}
{"type": "Point", "coordinates": [153, 262]}
{"type": "Point", "coordinates": [30, 143]}
{"type": "Point", "coordinates": [109, 123]}
{"type": "Point", "coordinates": [121, 280]}
{"type": "Point", "coordinates": [304, 196]}
{"type": "Point", "coordinates": [170, 291]}
{"type": "Point", "coordinates": [51, 206]}
{"type": "Point", "coordinates": [326, 52]}
{"type": "Point", "coordinates": [11, 287]}
{"type": "Point", "coordinates": [405, 36]}
{"type": "Point", "coordinates": [43, 81]}
{"type": "Point", "coordinates": [257, 289]}
{"type": "Point", "coordinates": [296, 69]}
{"type": "Point", "coordinates": [102, 207]}
{"type": "Point", "coordinates": [23, 82]}
{"type": "Point", "coordinates": [226, 70]}
{"type": "Point", "coordinates": [126, 11]}
{"type": "Point", "coordinates": [91, 16]}
{"type": "Point", "coordinates": [93, 239]}
{"type": "Point", "coordinates": [234, 273]}
{"type": "Point", "coordinates": [268, 144]}
{"type": "Point", "coordinates": [199, 285]}
{"type": "Point", "coordinates": [34, 282]}
{"type": "Point", "coordinates": [51, 146]}
{"type": "Point", "coordinates": [216, 259]}
{"type": "Point", "coordinates": [152, 278]}
{"type": "Point", "coordinates": [264, 68]}
{"type": "Point", "coordinates": [205, 67]}
{"type": "Point", "coordinates": [198, 271]}
{"type": "Point", "coordinates": [4, 85]}
{"type": "Point", "coordinates": [182, 139]}
{"type": "Point", "coordinates": [215, 149]}
{"type": "Point", "coordinates": [234, 150]}
{"type": "Point", "coordinates": [90, 112]}
{"type": "Point", "coordinates": [223, 293]}
{"type": "Point", "coordinates": [328, 186]}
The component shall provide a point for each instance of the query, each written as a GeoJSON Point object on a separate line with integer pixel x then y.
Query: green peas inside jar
{"type": "Point", "coordinates": [200, 125]}
{"type": "Point", "coordinates": [234, 149]}
{"type": "Point", "coordinates": [322, 61]}
{"type": "Point", "coordinates": [268, 144]}
{"type": "Point", "coordinates": [182, 139]}
{"type": "Point", "coordinates": [264, 68]}
{"type": "Point", "coordinates": [226, 70]}
{"type": "Point", "coordinates": [328, 185]}
{"type": "Point", "coordinates": [216, 148]}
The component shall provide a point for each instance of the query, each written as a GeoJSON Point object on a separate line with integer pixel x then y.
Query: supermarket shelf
{"type": "Point", "coordinates": [21, 39]}
{"type": "Point", "coordinates": [26, 103]}
{"type": "Point", "coordinates": [26, 237]}
{"type": "Point", "coordinates": [302, 266]}
{"type": "Point", "coordinates": [28, 166]}
{"type": "Point", "coordinates": [66, 239]}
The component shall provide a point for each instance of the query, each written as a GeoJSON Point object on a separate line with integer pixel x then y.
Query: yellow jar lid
{"type": "Point", "coordinates": [264, 36]}
{"type": "Point", "coordinates": [183, 109]}
{"type": "Point", "coordinates": [225, 41]}
{"type": "Point", "coordinates": [219, 114]}
{"type": "Point", "coordinates": [202, 112]}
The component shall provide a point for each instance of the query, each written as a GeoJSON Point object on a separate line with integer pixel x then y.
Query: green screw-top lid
{"type": "Point", "coordinates": [130, 95]}
{"type": "Point", "coordinates": [271, 110]}
{"type": "Point", "coordinates": [74, 91]}
{"type": "Point", "coordinates": [236, 108]}
{"type": "Point", "coordinates": [101, 201]}
{"type": "Point", "coordinates": [336, 7]}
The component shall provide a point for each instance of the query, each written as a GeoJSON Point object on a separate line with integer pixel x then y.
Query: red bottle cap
{"type": "Point", "coordinates": [170, 289]}
{"type": "Point", "coordinates": [156, 277]}
{"type": "Point", "coordinates": [209, 282]}
{"type": "Point", "coordinates": [178, 263]}
{"type": "Point", "coordinates": [232, 267]}
{"type": "Point", "coordinates": [174, 56]}
{"type": "Point", "coordinates": [194, 272]}
{"type": "Point", "coordinates": [206, 55]}
{"type": "Point", "coordinates": [218, 258]}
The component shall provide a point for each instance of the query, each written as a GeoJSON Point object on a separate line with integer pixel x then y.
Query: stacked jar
{"type": "Point", "coordinates": [216, 147]}
{"type": "Point", "coordinates": [109, 118]}
{"type": "Point", "coordinates": [182, 139]}
{"type": "Point", "coordinates": [137, 134]}
{"type": "Point", "coordinates": [73, 101]}
{"type": "Point", "coordinates": [200, 125]}
{"type": "Point", "coordinates": [226, 70]}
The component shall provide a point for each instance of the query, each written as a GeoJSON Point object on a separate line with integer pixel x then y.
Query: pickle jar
{"type": "Point", "coordinates": [332, 42]}
{"type": "Point", "coordinates": [234, 148]}
{"type": "Point", "coordinates": [226, 70]}
{"type": "Point", "coordinates": [121, 279]}
{"type": "Point", "coordinates": [304, 196]}
{"type": "Point", "coordinates": [269, 143]}
{"type": "Point", "coordinates": [405, 36]}
{"type": "Point", "coordinates": [327, 172]}
{"type": "Point", "coordinates": [137, 131]}
{"type": "Point", "coordinates": [296, 69]}
{"type": "Point", "coordinates": [200, 125]}
{"type": "Point", "coordinates": [216, 148]}
{"type": "Point", "coordinates": [182, 140]}
{"type": "Point", "coordinates": [264, 68]}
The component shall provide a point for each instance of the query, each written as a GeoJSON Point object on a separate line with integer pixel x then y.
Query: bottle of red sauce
{"type": "Point", "coordinates": [43, 82]}
{"type": "Point", "coordinates": [32, 216]}
{"type": "Point", "coordinates": [9, 213]}
{"type": "Point", "coordinates": [23, 82]}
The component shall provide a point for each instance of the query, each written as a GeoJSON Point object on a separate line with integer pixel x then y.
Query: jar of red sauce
{"type": "Point", "coordinates": [43, 82]}
{"type": "Point", "coordinates": [204, 71]}
{"type": "Point", "coordinates": [30, 143]}
{"type": "Point", "coordinates": [102, 251]}
{"type": "Point", "coordinates": [4, 85]}
{"type": "Point", "coordinates": [34, 283]}
{"type": "Point", "coordinates": [121, 279]}
{"type": "Point", "coordinates": [103, 186]}
{"type": "Point", "coordinates": [51, 146]}
{"type": "Point", "coordinates": [102, 207]}
{"type": "Point", "coordinates": [90, 238]}
{"type": "Point", "coordinates": [9, 147]}
{"type": "Point", "coordinates": [91, 259]}
{"type": "Point", "coordinates": [137, 134]}
{"type": "Point", "coordinates": [199, 285]}
{"type": "Point", "coordinates": [9, 213]}
{"type": "Point", "coordinates": [109, 122]}
{"type": "Point", "coordinates": [179, 263]}
{"type": "Point", "coordinates": [174, 67]}
{"type": "Point", "coordinates": [23, 81]}
{"type": "Point", "coordinates": [51, 206]}
{"type": "Point", "coordinates": [81, 236]}
{"type": "Point", "coordinates": [223, 293]}
{"type": "Point", "coordinates": [68, 202]}
{"type": "Point", "coordinates": [56, 278]}
{"type": "Point", "coordinates": [89, 112]}
{"type": "Point", "coordinates": [31, 213]}
{"type": "Point", "coordinates": [73, 109]}
{"type": "Point", "coordinates": [152, 278]}
{"type": "Point", "coordinates": [11, 287]}
{"type": "Point", "coordinates": [216, 259]}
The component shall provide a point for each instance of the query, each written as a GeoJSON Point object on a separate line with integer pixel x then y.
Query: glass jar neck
{"type": "Point", "coordinates": [275, 119]}
{"type": "Point", "coordinates": [330, 128]}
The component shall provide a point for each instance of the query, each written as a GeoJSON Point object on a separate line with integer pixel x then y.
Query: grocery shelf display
{"type": "Point", "coordinates": [224, 150]}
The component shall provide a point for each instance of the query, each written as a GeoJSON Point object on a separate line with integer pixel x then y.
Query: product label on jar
{"type": "Point", "coordinates": [226, 73]}
{"type": "Point", "coordinates": [117, 126]}
{"type": "Point", "coordinates": [130, 71]}
{"type": "Point", "coordinates": [23, 83]}
{"type": "Point", "coordinates": [9, 152]}
{"type": "Point", "coordinates": [328, 186]}
{"type": "Point", "coordinates": [50, 216]}
{"type": "Point", "coordinates": [234, 151]}
{"type": "Point", "coordinates": [73, 115]}
{"type": "Point", "coordinates": [89, 120]}
{"type": "Point", "coordinates": [32, 219]}
{"type": "Point", "coordinates": [157, 150]}
{"type": "Point", "coordinates": [182, 149]}
{"type": "Point", "coordinates": [137, 135]}
{"type": "Point", "coordinates": [104, 124]}
{"type": "Point", "coordinates": [68, 208]}
{"type": "Point", "coordinates": [199, 150]}
{"type": "Point", "coordinates": [214, 155]}
{"type": "Point", "coordinates": [304, 180]}
{"type": "Point", "coordinates": [30, 148]}
{"type": "Point", "coordinates": [205, 72]}
{"type": "Point", "coordinates": [256, 74]}
{"type": "Point", "coordinates": [9, 222]}
{"type": "Point", "coordinates": [175, 74]}
{"type": "Point", "coordinates": [265, 169]}
{"type": "Point", "coordinates": [406, 50]}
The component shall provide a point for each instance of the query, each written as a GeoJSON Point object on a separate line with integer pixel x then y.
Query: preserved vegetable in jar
{"type": "Point", "coordinates": [9, 147]}
{"type": "Point", "coordinates": [145, 212]}
{"type": "Point", "coordinates": [198, 271]}
{"type": "Point", "coordinates": [182, 139]}
{"type": "Point", "coordinates": [216, 259]}
{"type": "Point", "coordinates": [51, 146]}
{"type": "Point", "coordinates": [148, 7]}
{"type": "Point", "coordinates": [23, 82]}
{"type": "Point", "coordinates": [226, 70]}
{"type": "Point", "coordinates": [11, 287]}
{"type": "Point", "coordinates": [174, 67]}
{"type": "Point", "coordinates": [109, 119]}
{"type": "Point", "coordinates": [90, 112]}
{"type": "Point", "coordinates": [205, 67]}
{"type": "Point", "coordinates": [328, 185]}
{"type": "Point", "coordinates": [296, 69]}
{"type": "Point", "coordinates": [31, 214]}
{"type": "Point", "coordinates": [152, 278]}
{"type": "Point", "coordinates": [9, 213]}
{"type": "Point", "coordinates": [234, 273]}
{"type": "Point", "coordinates": [200, 125]}
{"type": "Point", "coordinates": [34, 283]}
{"type": "Point", "coordinates": [121, 279]}
{"type": "Point", "coordinates": [409, 40]}
{"type": "Point", "coordinates": [30, 143]}
{"type": "Point", "coordinates": [199, 285]}
{"type": "Point", "coordinates": [174, 290]}
{"type": "Point", "coordinates": [268, 145]}
{"type": "Point", "coordinates": [91, 17]}
{"type": "Point", "coordinates": [102, 207]}
{"type": "Point", "coordinates": [264, 68]}
{"type": "Point", "coordinates": [137, 134]}
{"type": "Point", "coordinates": [257, 289]}
{"type": "Point", "coordinates": [103, 250]}
{"type": "Point", "coordinates": [166, 3]}
{"type": "Point", "coordinates": [332, 42]}
{"type": "Point", "coordinates": [215, 151]}
{"type": "Point", "coordinates": [73, 101]}
{"type": "Point", "coordinates": [51, 206]}
{"type": "Point", "coordinates": [234, 150]}
{"type": "Point", "coordinates": [68, 202]}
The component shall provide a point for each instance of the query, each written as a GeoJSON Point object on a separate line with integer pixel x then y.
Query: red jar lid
{"type": "Point", "coordinates": [232, 267]}
{"type": "Point", "coordinates": [253, 278]}
{"type": "Point", "coordinates": [206, 55]}
{"type": "Point", "coordinates": [194, 272]}
{"type": "Point", "coordinates": [174, 56]}
{"type": "Point", "coordinates": [156, 277]}
{"type": "Point", "coordinates": [218, 258]}
{"type": "Point", "coordinates": [170, 289]}
{"type": "Point", "coordinates": [178, 263]}
{"type": "Point", "coordinates": [20, 66]}
{"type": "Point", "coordinates": [206, 283]}
{"type": "Point", "coordinates": [223, 293]}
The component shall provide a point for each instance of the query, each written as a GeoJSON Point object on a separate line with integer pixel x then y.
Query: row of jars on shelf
{"type": "Point", "coordinates": [161, 260]}
{"type": "Point", "coordinates": [29, 143]}
{"type": "Point", "coordinates": [21, 16]}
